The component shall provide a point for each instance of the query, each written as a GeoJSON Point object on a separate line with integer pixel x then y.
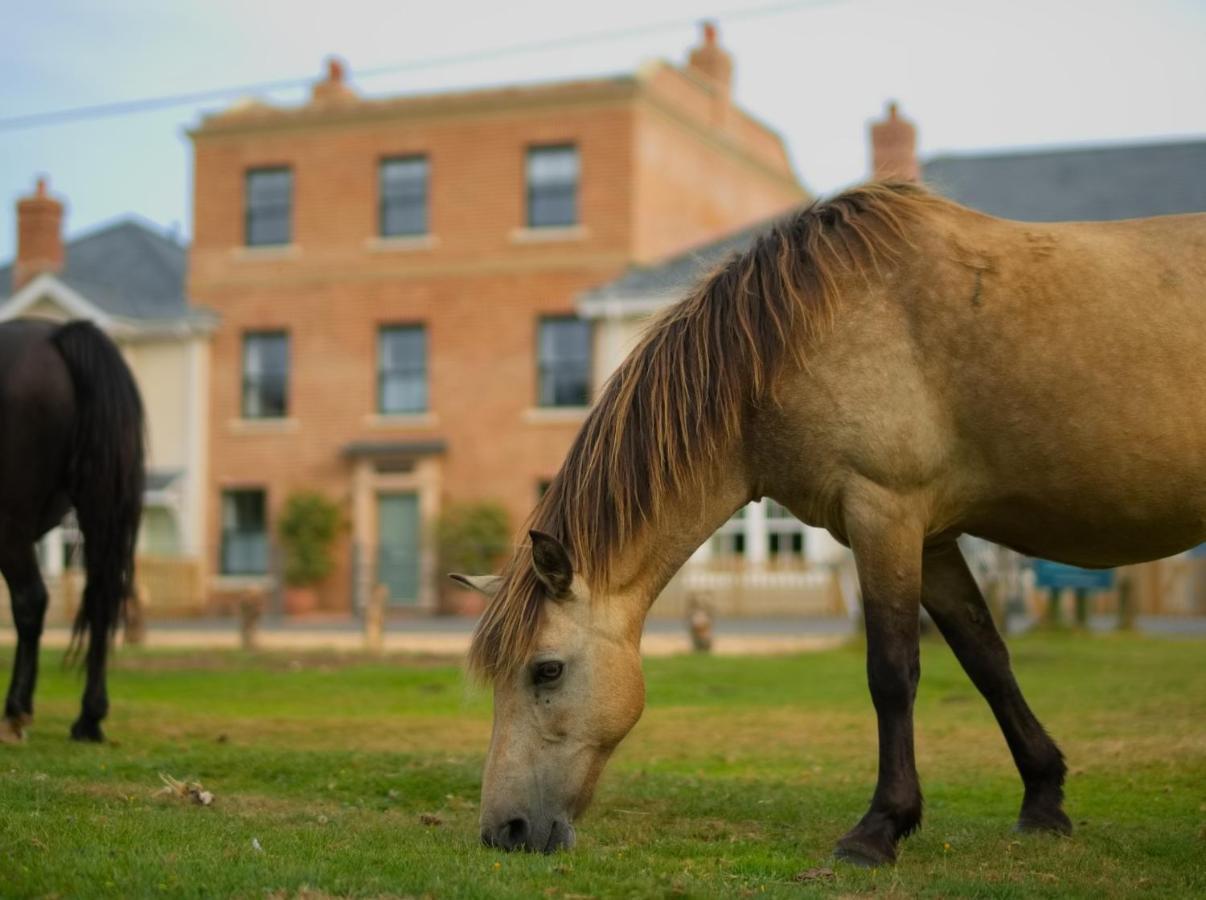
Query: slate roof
{"type": "Point", "coordinates": [670, 279]}
{"type": "Point", "coordinates": [1120, 182]}
{"type": "Point", "coordinates": [1114, 182]}
{"type": "Point", "coordinates": [128, 270]}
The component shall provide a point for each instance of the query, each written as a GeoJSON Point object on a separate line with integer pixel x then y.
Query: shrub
{"type": "Point", "coordinates": [472, 538]}
{"type": "Point", "coordinates": [308, 527]}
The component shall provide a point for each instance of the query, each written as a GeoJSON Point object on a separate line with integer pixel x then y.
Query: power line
{"type": "Point", "coordinates": [147, 104]}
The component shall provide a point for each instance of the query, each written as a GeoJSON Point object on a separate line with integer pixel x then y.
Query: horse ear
{"type": "Point", "coordinates": [483, 584]}
{"type": "Point", "coordinates": [552, 564]}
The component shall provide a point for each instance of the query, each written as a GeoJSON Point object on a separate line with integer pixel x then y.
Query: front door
{"type": "Point", "coordinates": [398, 546]}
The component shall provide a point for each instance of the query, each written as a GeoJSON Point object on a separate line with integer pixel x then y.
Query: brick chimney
{"type": "Point", "coordinates": [39, 236]}
{"type": "Point", "coordinates": [333, 89]}
{"type": "Point", "coordinates": [894, 148]}
{"type": "Point", "coordinates": [713, 65]}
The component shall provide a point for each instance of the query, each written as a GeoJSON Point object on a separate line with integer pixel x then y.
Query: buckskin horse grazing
{"type": "Point", "coordinates": [899, 370]}
{"type": "Point", "coordinates": [71, 435]}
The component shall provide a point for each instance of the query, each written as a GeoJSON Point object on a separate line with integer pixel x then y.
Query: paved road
{"type": "Point", "coordinates": [450, 636]}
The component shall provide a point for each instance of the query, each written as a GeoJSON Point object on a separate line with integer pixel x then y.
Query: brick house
{"type": "Point", "coordinates": [396, 283]}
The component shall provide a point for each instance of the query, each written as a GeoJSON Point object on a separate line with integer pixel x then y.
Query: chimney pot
{"type": "Point", "coordinates": [39, 236]}
{"type": "Point", "coordinates": [333, 90]}
{"type": "Point", "coordinates": [712, 62]}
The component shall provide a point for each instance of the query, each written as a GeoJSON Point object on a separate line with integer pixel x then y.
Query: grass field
{"type": "Point", "coordinates": [338, 777]}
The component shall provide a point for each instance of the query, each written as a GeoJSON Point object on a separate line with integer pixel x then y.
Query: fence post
{"type": "Point", "coordinates": [251, 609]}
{"type": "Point", "coordinates": [135, 624]}
{"type": "Point", "coordinates": [1082, 608]}
{"type": "Point", "coordinates": [374, 620]}
{"type": "Point", "coordinates": [1126, 602]}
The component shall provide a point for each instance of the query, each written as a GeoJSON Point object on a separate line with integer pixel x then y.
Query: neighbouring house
{"type": "Point", "coordinates": [129, 278]}
{"type": "Point", "coordinates": [396, 280]}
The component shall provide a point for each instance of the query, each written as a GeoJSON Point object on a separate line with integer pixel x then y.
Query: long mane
{"type": "Point", "coordinates": [681, 395]}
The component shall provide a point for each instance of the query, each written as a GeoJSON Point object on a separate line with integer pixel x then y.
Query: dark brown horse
{"type": "Point", "coordinates": [71, 435]}
{"type": "Point", "coordinates": [899, 370]}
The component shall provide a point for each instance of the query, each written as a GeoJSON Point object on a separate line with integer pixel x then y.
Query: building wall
{"type": "Point", "coordinates": [698, 178]}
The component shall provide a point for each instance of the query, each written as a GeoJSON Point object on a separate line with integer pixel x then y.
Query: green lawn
{"type": "Point", "coordinates": [361, 778]}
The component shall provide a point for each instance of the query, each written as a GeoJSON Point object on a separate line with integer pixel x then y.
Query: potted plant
{"type": "Point", "coordinates": [471, 538]}
{"type": "Point", "coordinates": [308, 526]}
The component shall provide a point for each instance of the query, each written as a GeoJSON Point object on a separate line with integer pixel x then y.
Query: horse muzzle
{"type": "Point", "coordinates": [520, 833]}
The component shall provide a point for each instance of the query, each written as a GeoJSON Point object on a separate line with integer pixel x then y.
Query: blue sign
{"type": "Point", "coordinates": [1057, 576]}
{"type": "Point", "coordinates": [1198, 552]}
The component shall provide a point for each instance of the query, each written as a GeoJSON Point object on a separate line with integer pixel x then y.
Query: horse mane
{"type": "Point", "coordinates": [681, 395]}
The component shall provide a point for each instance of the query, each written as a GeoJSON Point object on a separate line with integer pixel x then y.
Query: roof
{"type": "Point", "coordinates": [653, 285]}
{"type": "Point", "coordinates": [1121, 182]}
{"type": "Point", "coordinates": [127, 270]}
{"type": "Point", "coordinates": [1113, 182]}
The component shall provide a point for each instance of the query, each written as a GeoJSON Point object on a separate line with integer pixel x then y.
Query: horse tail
{"type": "Point", "coordinates": [106, 477]}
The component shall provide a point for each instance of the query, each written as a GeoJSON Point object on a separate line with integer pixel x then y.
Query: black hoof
{"type": "Point", "coordinates": [1048, 821]}
{"type": "Point", "coordinates": [87, 731]}
{"type": "Point", "coordinates": [866, 853]}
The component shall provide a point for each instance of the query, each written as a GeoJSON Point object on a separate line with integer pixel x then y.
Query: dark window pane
{"type": "Point", "coordinates": [269, 207]}
{"type": "Point", "coordinates": [402, 369]}
{"type": "Point", "coordinates": [403, 196]}
{"type": "Point", "coordinates": [552, 177]}
{"type": "Point", "coordinates": [244, 533]}
{"type": "Point", "coordinates": [564, 362]}
{"type": "Point", "coordinates": [265, 375]}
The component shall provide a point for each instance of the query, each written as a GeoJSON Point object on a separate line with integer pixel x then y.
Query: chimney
{"type": "Point", "coordinates": [710, 61]}
{"type": "Point", "coordinates": [39, 236]}
{"type": "Point", "coordinates": [333, 89]}
{"type": "Point", "coordinates": [894, 148]}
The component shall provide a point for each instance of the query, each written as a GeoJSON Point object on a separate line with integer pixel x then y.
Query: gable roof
{"type": "Point", "coordinates": [125, 269]}
{"type": "Point", "coordinates": [1113, 182]}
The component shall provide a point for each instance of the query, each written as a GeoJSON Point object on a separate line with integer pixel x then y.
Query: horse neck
{"type": "Point", "coordinates": [678, 528]}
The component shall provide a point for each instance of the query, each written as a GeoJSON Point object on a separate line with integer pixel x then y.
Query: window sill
{"type": "Point", "coordinates": [402, 243]}
{"type": "Point", "coordinates": [262, 426]}
{"type": "Point", "coordinates": [242, 582]}
{"type": "Point", "coordinates": [554, 415]}
{"type": "Point", "coordinates": [266, 252]}
{"type": "Point", "coordinates": [402, 420]}
{"type": "Point", "coordinates": [550, 234]}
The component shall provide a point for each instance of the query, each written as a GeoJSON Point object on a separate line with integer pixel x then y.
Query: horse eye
{"type": "Point", "coordinates": [547, 672]}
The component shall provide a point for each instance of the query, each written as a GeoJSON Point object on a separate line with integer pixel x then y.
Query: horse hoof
{"type": "Point", "coordinates": [1045, 822]}
{"type": "Point", "coordinates": [87, 732]}
{"type": "Point", "coordinates": [12, 731]}
{"type": "Point", "coordinates": [861, 853]}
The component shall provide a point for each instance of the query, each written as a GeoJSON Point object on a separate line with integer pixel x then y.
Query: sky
{"type": "Point", "coordinates": [974, 75]}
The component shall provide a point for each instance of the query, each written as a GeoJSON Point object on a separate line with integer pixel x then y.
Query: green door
{"type": "Point", "coordinates": [398, 546]}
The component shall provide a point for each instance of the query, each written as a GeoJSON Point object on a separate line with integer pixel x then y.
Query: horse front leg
{"type": "Point", "coordinates": [887, 546]}
{"type": "Point", "coordinates": [954, 601]}
{"type": "Point", "coordinates": [28, 596]}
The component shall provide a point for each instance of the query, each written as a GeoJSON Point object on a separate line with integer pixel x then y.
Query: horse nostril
{"type": "Point", "coordinates": [514, 834]}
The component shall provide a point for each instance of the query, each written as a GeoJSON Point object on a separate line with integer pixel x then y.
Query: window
{"type": "Point", "coordinates": [784, 534]}
{"type": "Point", "coordinates": [729, 540]}
{"type": "Point", "coordinates": [564, 361]}
{"type": "Point", "coordinates": [265, 375]}
{"type": "Point", "coordinates": [552, 174]}
{"type": "Point", "coordinates": [403, 185]}
{"type": "Point", "coordinates": [402, 369]}
{"type": "Point", "coordinates": [244, 533]}
{"type": "Point", "coordinates": [269, 207]}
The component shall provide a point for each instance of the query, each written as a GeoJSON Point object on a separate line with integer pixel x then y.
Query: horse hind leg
{"type": "Point", "coordinates": [27, 593]}
{"type": "Point", "coordinates": [953, 600]}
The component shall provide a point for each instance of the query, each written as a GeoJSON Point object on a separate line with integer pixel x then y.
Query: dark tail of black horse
{"type": "Point", "coordinates": [106, 475]}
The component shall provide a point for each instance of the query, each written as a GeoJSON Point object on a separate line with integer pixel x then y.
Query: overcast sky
{"type": "Point", "coordinates": [974, 75]}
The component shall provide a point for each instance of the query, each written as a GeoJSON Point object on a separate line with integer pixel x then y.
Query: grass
{"type": "Point", "coordinates": [361, 778]}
